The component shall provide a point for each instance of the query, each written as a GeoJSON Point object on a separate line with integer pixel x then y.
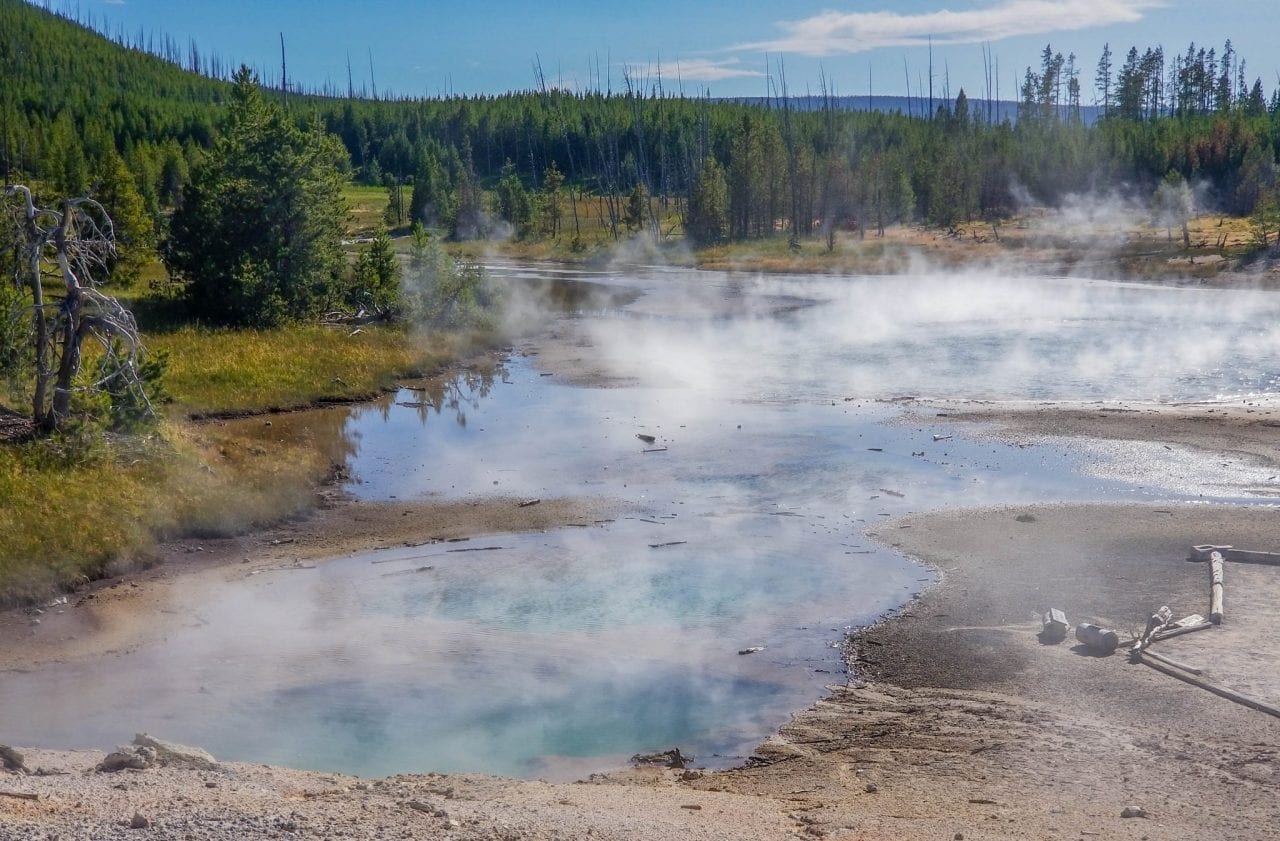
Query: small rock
{"type": "Point", "coordinates": [139, 821]}
{"type": "Point", "coordinates": [11, 760]}
{"type": "Point", "coordinates": [419, 806]}
{"type": "Point", "coordinates": [871, 788]}
{"type": "Point", "coordinates": [128, 757]}
{"type": "Point", "coordinates": [752, 650]}
{"type": "Point", "coordinates": [174, 755]}
{"type": "Point", "coordinates": [453, 824]}
{"type": "Point", "coordinates": [691, 775]}
{"type": "Point", "coordinates": [959, 836]}
{"type": "Point", "coordinates": [1133, 812]}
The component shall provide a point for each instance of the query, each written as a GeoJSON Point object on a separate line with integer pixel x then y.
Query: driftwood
{"type": "Point", "coordinates": [1168, 661]}
{"type": "Point", "coordinates": [1158, 622]}
{"type": "Point", "coordinates": [1097, 639]}
{"type": "Point", "coordinates": [1230, 553]}
{"type": "Point", "coordinates": [19, 795]}
{"type": "Point", "coordinates": [1221, 691]}
{"type": "Point", "coordinates": [1179, 630]}
{"type": "Point", "coordinates": [1216, 571]}
{"type": "Point", "coordinates": [1054, 625]}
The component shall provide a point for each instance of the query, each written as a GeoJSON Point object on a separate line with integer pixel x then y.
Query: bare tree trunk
{"type": "Point", "coordinates": [82, 240]}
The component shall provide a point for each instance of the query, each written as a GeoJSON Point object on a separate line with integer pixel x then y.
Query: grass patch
{"type": "Point", "coordinates": [367, 207]}
{"type": "Point", "coordinates": [77, 510]}
{"type": "Point", "coordinates": [223, 370]}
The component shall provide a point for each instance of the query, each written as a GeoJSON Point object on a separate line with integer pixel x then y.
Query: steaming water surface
{"type": "Point", "coordinates": [563, 652]}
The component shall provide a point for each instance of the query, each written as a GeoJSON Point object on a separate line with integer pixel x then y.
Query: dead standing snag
{"type": "Point", "coordinates": [75, 244]}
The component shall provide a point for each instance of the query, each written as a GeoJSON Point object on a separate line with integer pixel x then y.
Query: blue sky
{"type": "Point", "coordinates": [426, 47]}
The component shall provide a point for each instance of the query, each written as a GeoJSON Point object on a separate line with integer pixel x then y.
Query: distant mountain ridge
{"type": "Point", "coordinates": [999, 110]}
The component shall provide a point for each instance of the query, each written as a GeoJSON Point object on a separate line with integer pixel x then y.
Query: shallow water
{"type": "Point", "coordinates": [558, 653]}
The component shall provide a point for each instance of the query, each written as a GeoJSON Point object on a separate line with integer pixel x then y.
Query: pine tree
{"type": "Point", "coordinates": [258, 236]}
{"type": "Point", "coordinates": [708, 218]}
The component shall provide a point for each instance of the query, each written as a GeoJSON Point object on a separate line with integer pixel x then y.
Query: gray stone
{"type": "Point", "coordinates": [11, 760]}
{"type": "Point", "coordinates": [139, 821]}
{"type": "Point", "coordinates": [128, 757]}
{"type": "Point", "coordinates": [1133, 812]}
{"type": "Point", "coordinates": [174, 755]}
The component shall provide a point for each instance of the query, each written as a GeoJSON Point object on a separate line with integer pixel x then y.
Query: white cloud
{"type": "Point", "coordinates": [837, 33]}
{"type": "Point", "coordinates": [702, 70]}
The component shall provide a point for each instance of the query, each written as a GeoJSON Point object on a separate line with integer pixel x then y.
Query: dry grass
{"type": "Point", "coordinates": [220, 370]}
{"type": "Point", "coordinates": [75, 511]}
{"type": "Point", "coordinates": [75, 508]}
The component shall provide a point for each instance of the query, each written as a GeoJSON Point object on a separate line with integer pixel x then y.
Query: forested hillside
{"type": "Point", "coordinates": [73, 100]}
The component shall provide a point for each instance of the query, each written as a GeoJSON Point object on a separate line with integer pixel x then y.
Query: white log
{"type": "Point", "coordinates": [1221, 691]}
{"type": "Point", "coordinates": [1216, 572]}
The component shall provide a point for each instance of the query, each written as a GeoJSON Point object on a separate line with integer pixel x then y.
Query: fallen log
{"type": "Point", "coordinates": [1158, 622]}
{"type": "Point", "coordinates": [19, 795]}
{"type": "Point", "coordinates": [1179, 631]}
{"type": "Point", "coordinates": [1216, 573]}
{"type": "Point", "coordinates": [1230, 553]}
{"type": "Point", "coordinates": [1220, 691]}
{"type": "Point", "coordinates": [1054, 625]}
{"type": "Point", "coordinates": [1101, 640]}
{"type": "Point", "coordinates": [1168, 661]}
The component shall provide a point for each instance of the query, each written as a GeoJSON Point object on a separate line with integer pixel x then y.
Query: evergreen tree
{"type": "Point", "coordinates": [708, 218]}
{"type": "Point", "coordinates": [117, 191]}
{"type": "Point", "coordinates": [513, 202]}
{"type": "Point", "coordinates": [375, 286]}
{"type": "Point", "coordinates": [258, 236]}
{"type": "Point", "coordinates": [552, 212]}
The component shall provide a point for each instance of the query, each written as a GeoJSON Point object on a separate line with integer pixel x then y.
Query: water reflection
{"type": "Point", "coordinates": [565, 652]}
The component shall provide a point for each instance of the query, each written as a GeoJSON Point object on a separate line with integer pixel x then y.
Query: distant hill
{"type": "Point", "coordinates": [993, 110]}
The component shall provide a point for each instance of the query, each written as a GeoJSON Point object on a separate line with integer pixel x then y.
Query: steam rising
{"type": "Point", "coordinates": [568, 651]}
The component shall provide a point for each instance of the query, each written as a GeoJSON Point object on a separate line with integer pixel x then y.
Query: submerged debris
{"type": "Point", "coordinates": [670, 758]}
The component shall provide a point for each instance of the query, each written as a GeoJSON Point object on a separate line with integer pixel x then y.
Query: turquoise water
{"type": "Point", "coordinates": [560, 653]}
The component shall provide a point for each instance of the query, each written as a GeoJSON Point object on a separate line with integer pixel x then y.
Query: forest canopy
{"type": "Point", "coordinates": [73, 100]}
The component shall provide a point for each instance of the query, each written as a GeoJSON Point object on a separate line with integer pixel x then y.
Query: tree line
{"type": "Point", "coordinates": [79, 112]}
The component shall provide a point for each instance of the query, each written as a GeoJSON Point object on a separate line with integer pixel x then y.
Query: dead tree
{"type": "Point", "coordinates": [73, 243]}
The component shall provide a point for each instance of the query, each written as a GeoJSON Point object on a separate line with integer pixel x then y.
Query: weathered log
{"type": "Point", "coordinates": [1230, 553]}
{"type": "Point", "coordinates": [1158, 622]}
{"type": "Point", "coordinates": [1220, 691]}
{"type": "Point", "coordinates": [1216, 573]}
{"type": "Point", "coordinates": [1055, 625]}
{"type": "Point", "coordinates": [1098, 639]}
{"type": "Point", "coordinates": [1168, 661]}
{"type": "Point", "coordinates": [19, 795]}
{"type": "Point", "coordinates": [1180, 630]}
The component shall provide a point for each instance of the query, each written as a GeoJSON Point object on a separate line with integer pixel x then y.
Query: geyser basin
{"type": "Point", "coordinates": [560, 653]}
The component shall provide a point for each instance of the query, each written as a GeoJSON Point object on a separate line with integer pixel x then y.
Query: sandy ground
{"type": "Point", "coordinates": [966, 727]}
